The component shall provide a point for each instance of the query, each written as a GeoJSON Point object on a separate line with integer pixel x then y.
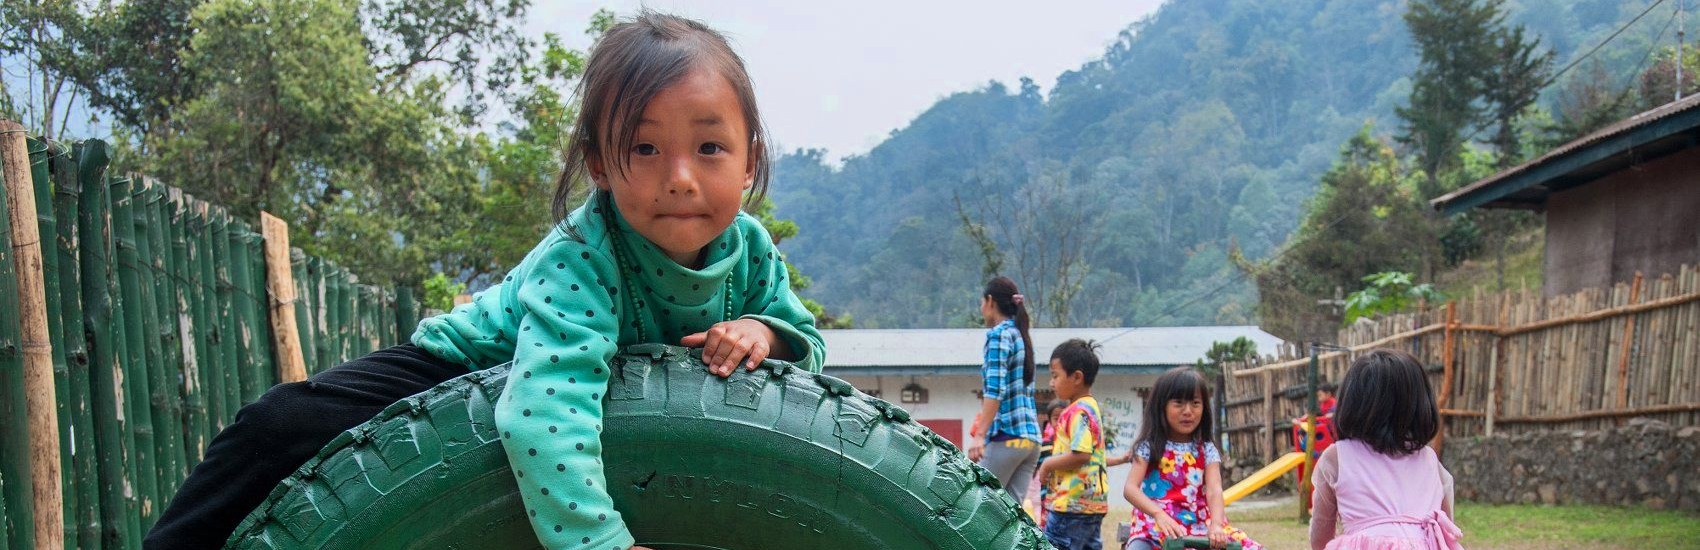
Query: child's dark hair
{"type": "Point", "coordinates": [1328, 387]}
{"type": "Point", "coordinates": [1177, 383]}
{"type": "Point", "coordinates": [1011, 304]}
{"type": "Point", "coordinates": [1055, 405]}
{"type": "Point", "coordinates": [632, 62]}
{"type": "Point", "coordinates": [1386, 402]}
{"type": "Point", "coordinates": [1080, 356]}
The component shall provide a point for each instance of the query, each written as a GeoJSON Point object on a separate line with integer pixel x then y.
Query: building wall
{"type": "Point", "coordinates": [955, 399]}
{"type": "Point", "coordinates": [1640, 219]}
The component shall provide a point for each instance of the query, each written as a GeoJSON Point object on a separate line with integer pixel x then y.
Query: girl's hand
{"type": "Point", "coordinates": [727, 345]}
{"type": "Point", "coordinates": [1169, 527]}
{"type": "Point", "coordinates": [1218, 534]}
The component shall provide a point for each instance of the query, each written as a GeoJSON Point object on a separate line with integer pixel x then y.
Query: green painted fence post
{"type": "Point", "coordinates": [132, 300]}
{"type": "Point", "coordinates": [4, 530]}
{"type": "Point", "coordinates": [160, 395]}
{"type": "Point", "coordinates": [248, 334]}
{"type": "Point", "coordinates": [67, 191]}
{"type": "Point", "coordinates": [206, 316]}
{"type": "Point", "coordinates": [304, 310]}
{"type": "Point", "coordinates": [230, 366]}
{"type": "Point", "coordinates": [320, 327]}
{"type": "Point", "coordinates": [334, 321]}
{"type": "Point", "coordinates": [347, 295]}
{"type": "Point", "coordinates": [164, 348]}
{"type": "Point", "coordinates": [407, 313]}
{"type": "Point", "coordinates": [120, 518]}
{"type": "Point", "coordinates": [364, 299]}
{"type": "Point", "coordinates": [265, 344]}
{"type": "Point", "coordinates": [14, 425]}
{"type": "Point", "coordinates": [178, 269]}
{"type": "Point", "coordinates": [48, 228]}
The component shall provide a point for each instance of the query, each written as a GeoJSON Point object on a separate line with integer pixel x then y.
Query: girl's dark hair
{"type": "Point", "coordinates": [1003, 293]}
{"type": "Point", "coordinates": [632, 62]}
{"type": "Point", "coordinates": [1176, 383]}
{"type": "Point", "coordinates": [1386, 402]}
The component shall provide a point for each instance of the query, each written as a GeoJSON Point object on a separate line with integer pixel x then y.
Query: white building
{"type": "Point", "coordinates": [935, 373]}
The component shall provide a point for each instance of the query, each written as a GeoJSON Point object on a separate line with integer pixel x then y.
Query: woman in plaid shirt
{"type": "Point", "coordinates": [1008, 418]}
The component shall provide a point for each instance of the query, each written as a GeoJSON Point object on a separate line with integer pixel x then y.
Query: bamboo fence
{"type": "Point", "coordinates": [1510, 362]}
{"type": "Point", "coordinates": [161, 327]}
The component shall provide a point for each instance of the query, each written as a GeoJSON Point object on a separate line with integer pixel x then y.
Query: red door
{"type": "Point", "coordinates": [948, 428]}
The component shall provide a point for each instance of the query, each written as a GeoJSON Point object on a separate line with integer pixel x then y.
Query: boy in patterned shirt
{"type": "Point", "coordinates": [1074, 474]}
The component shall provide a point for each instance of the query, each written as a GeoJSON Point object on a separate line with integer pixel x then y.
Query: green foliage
{"type": "Point", "coordinates": [1388, 292]}
{"type": "Point", "coordinates": [440, 292]}
{"type": "Point", "coordinates": [1235, 351]}
{"type": "Point", "coordinates": [1476, 71]}
{"type": "Point", "coordinates": [1366, 218]}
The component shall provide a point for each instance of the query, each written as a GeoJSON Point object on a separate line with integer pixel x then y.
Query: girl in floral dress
{"type": "Point", "coordinates": [1176, 482]}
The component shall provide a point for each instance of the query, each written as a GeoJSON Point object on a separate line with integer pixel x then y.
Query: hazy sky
{"type": "Point", "coordinates": [843, 75]}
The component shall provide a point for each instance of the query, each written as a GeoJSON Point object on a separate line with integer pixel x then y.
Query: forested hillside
{"type": "Point", "coordinates": [1118, 197]}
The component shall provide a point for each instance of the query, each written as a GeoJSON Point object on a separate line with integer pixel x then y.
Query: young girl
{"type": "Point", "coordinates": [1176, 482]}
{"type": "Point", "coordinates": [1008, 419]}
{"type": "Point", "coordinates": [670, 136]}
{"type": "Point", "coordinates": [1381, 478]}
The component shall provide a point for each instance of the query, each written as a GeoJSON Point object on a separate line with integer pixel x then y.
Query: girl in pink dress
{"type": "Point", "coordinates": [1381, 479]}
{"type": "Point", "coordinates": [1176, 482]}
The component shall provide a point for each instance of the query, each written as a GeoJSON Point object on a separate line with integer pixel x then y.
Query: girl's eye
{"type": "Point", "coordinates": [645, 149]}
{"type": "Point", "coordinates": [709, 149]}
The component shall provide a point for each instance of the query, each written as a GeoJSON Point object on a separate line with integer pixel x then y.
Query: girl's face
{"type": "Point", "coordinates": [690, 163]}
{"type": "Point", "coordinates": [1183, 416]}
{"type": "Point", "coordinates": [988, 311]}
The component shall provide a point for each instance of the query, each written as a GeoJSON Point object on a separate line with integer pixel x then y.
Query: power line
{"type": "Point", "coordinates": [1549, 82]}
{"type": "Point", "coordinates": [1602, 44]}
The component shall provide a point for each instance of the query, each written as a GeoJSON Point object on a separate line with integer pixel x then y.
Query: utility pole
{"type": "Point", "coordinates": [1338, 302]}
{"type": "Point", "coordinates": [1679, 48]}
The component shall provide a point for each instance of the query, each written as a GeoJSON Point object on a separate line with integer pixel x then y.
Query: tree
{"type": "Point", "coordinates": [1368, 217]}
{"type": "Point", "coordinates": [1454, 42]}
{"type": "Point", "coordinates": [1519, 74]}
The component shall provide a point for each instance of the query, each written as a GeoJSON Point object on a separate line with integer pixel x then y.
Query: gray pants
{"type": "Point", "coordinates": [1014, 462]}
{"type": "Point", "coordinates": [1140, 544]}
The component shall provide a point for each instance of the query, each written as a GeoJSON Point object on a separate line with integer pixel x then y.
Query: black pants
{"type": "Point", "coordinates": [275, 435]}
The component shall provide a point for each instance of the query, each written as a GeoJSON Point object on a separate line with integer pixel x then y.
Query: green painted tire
{"type": "Point", "coordinates": [777, 458]}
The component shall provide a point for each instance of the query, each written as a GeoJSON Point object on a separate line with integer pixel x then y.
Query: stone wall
{"type": "Point", "coordinates": [1645, 462]}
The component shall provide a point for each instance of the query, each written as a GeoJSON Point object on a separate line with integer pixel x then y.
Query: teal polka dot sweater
{"type": "Point", "coordinates": [561, 315]}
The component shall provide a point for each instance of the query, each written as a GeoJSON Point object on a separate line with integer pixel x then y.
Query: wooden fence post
{"type": "Point", "coordinates": [280, 283]}
{"type": "Point", "coordinates": [1623, 356]}
{"type": "Point", "coordinates": [37, 346]}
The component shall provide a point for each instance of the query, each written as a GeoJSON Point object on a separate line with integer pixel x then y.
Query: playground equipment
{"type": "Point", "coordinates": [1288, 462]}
{"type": "Point", "coordinates": [767, 459]}
{"type": "Point", "coordinates": [1195, 542]}
{"type": "Point", "coordinates": [1292, 461]}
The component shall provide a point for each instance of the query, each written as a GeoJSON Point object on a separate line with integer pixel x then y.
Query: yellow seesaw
{"type": "Point", "coordinates": [1262, 477]}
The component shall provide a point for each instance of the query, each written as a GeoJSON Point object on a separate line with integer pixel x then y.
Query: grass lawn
{"type": "Point", "coordinates": [1489, 527]}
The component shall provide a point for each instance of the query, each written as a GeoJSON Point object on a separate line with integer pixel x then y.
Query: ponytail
{"type": "Point", "coordinates": [1012, 304]}
{"type": "Point", "coordinates": [1023, 322]}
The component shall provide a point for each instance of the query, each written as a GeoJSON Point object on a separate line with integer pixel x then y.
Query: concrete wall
{"type": "Point", "coordinates": [1639, 219]}
{"type": "Point", "coordinates": [1646, 462]}
{"type": "Point", "coordinates": [954, 398]}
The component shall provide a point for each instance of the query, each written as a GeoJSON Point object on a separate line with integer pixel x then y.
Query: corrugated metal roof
{"type": "Point", "coordinates": [1569, 150]}
{"type": "Point", "coordinates": [962, 347]}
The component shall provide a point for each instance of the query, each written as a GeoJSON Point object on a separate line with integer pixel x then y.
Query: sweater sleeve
{"type": "Point", "coordinates": [769, 299]}
{"type": "Point", "coordinates": [550, 414]}
{"type": "Point", "coordinates": [1324, 509]}
{"type": "Point", "coordinates": [477, 334]}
